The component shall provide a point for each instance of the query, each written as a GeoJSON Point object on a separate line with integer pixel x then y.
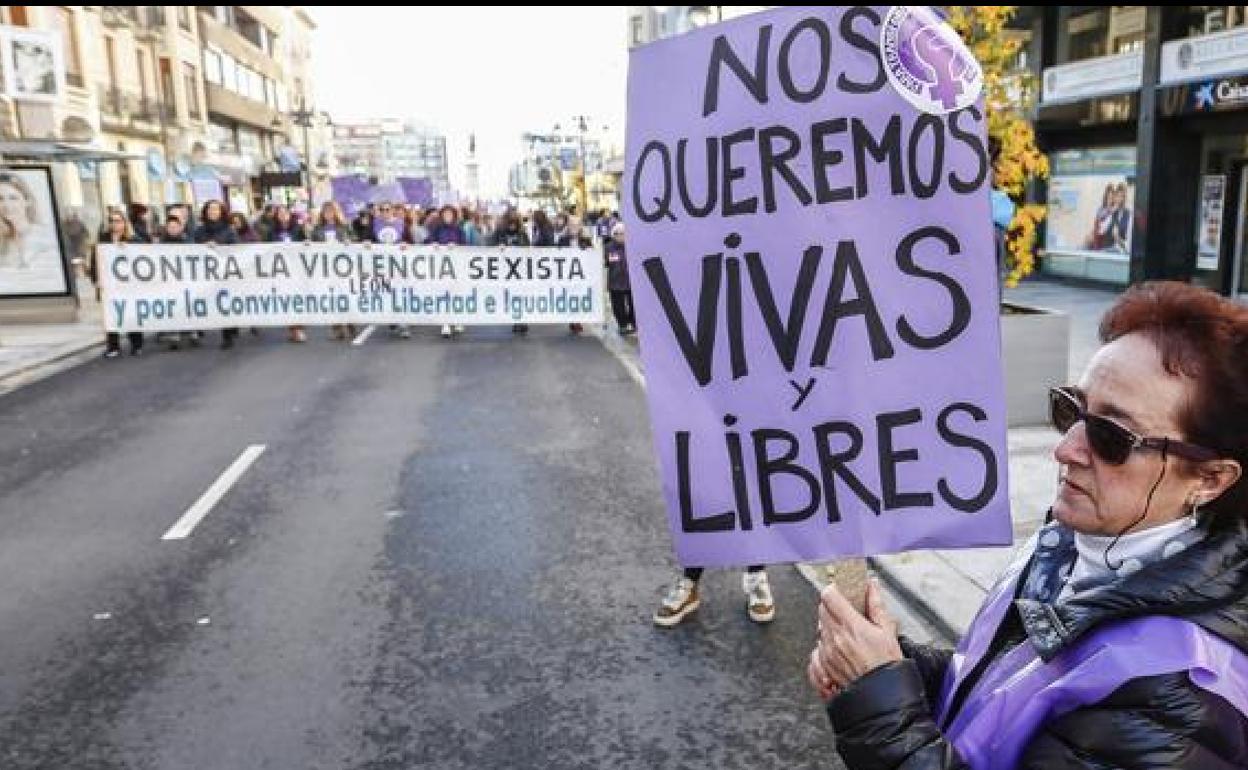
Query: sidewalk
{"type": "Point", "coordinates": [945, 588]}
{"type": "Point", "coordinates": [30, 352]}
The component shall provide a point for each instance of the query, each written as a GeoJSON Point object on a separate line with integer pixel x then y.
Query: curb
{"type": "Point", "coordinates": [912, 598]}
{"type": "Point", "coordinates": [64, 358]}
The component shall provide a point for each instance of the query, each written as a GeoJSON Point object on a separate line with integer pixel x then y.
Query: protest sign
{"type": "Point", "coordinates": [811, 254]}
{"type": "Point", "coordinates": [150, 287]}
{"type": "Point", "coordinates": [418, 191]}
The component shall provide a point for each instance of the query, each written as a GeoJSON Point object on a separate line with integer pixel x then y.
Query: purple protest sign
{"type": "Point", "coordinates": [811, 252]}
{"type": "Point", "coordinates": [417, 190]}
{"type": "Point", "coordinates": [350, 192]}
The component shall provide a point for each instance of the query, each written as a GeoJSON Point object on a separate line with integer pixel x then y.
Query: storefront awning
{"type": "Point", "coordinates": [49, 152]}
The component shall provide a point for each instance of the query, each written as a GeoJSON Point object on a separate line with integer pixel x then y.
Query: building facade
{"type": "Point", "coordinates": [1144, 112]}
{"type": "Point", "coordinates": [388, 149]}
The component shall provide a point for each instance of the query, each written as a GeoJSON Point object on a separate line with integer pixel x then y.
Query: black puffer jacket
{"type": "Point", "coordinates": [884, 720]}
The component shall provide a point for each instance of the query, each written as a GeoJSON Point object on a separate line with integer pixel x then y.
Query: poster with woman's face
{"type": "Point", "coordinates": [33, 65]}
{"type": "Point", "coordinates": [30, 250]}
{"type": "Point", "coordinates": [1091, 202]}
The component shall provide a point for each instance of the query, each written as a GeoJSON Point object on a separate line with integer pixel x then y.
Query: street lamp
{"type": "Point", "coordinates": [582, 125]}
{"type": "Point", "coordinates": [305, 119]}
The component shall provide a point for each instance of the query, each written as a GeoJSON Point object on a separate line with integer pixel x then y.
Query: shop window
{"type": "Point", "coordinates": [1207, 19]}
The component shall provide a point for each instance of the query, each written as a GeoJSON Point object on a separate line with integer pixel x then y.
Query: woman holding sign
{"type": "Point", "coordinates": [119, 230]}
{"type": "Point", "coordinates": [214, 228]}
{"type": "Point", "coordinates": [284, 229]}
{"type": "Point", "coordinates": [1120, 637]}
{"type": "Point", "coordinates": [333, 227]}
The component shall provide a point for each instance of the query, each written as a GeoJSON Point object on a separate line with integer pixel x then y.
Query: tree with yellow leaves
{"type": "Point", "coordinates": [1007, 93]}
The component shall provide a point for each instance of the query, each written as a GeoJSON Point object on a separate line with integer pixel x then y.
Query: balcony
{"type": "Point", "coordinates": [234, 43]}
{"type": "Point", "coordinates": [129, 112]}
{"type": "Point", "coordinates": [228, 104]}
{"type": "Point", "coordinates": [133, 17]}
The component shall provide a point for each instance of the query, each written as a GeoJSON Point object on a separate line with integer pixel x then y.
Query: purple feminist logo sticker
{"type": "Point", "coordinates": [927, 62]}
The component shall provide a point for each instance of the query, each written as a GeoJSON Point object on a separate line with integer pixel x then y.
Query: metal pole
{"type": "Point", "coordinates": [307, 156]}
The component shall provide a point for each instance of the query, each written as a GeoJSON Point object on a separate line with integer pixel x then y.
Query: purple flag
{"type": "Point", "coordinates": [810, 245]}
{"type": "Point", "coordinates": [417, 190]}
{"type": "Point", "coordinates": [351, 193]}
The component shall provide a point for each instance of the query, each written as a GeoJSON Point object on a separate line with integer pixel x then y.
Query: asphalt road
{"type": "Point", "coordinates": [445, 556]}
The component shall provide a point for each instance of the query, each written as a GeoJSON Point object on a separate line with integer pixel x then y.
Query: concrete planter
{"type": "Point", "coordinates": [1036, 347]}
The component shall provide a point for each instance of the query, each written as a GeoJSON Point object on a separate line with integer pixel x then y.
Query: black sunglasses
{"type": "Point", "coordinates": [1112, 442]}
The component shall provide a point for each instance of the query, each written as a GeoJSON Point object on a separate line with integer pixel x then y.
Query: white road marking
{"type": "Point", "coordinates": [213, 495]}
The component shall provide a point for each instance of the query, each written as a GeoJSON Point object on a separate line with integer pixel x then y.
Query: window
{"type": "Point", "coordinates": [192, 89]}
{"type": "Point", "coordinates": [184, 17]}
{"type": "Point", "coordinates": [229, 72]}
{"type": "Point", "coordinates": [212, 66]}
{"type": "Point", "coordinates": [166, 86]}
{"type": "Point", "coordinates": [257, 86]}
{"type": "Point", "coordinates": [144, 75]}
{"type": "Point", "coordinates": [63, 19]}
{"type": "Point", "coordinates": [110, 57]}
{"type": "Point", "coordinates": [242, 81]}
{"type": "Point", "coordinates": [223, 139]}
{"type": "Point", "coordinates": [1206, 19]}
{"type": "Point", "coordinates": [635, 30]}
{"type": "Point", "coordinates": [249, 142]}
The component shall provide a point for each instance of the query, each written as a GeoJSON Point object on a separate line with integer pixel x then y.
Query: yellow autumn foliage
{"type": "Point", "coordinates": [1007, 93]}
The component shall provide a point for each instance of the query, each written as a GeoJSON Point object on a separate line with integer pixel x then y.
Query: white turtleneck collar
{"type": "Point", "coordinates": [1132, 552]}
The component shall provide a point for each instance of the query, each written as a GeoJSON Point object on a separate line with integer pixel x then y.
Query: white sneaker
{"type": "Point", "coordinates": [459, 328]}
{"type": "Point", "coordinates": [446, 332]}
{"type": "Point", "coordinates": [681, 600]}
{"type": "Point", "coordinates": [758, 600]}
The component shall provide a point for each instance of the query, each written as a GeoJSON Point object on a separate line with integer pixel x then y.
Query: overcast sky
{"type": "Point", "coordinates": [496, 72]}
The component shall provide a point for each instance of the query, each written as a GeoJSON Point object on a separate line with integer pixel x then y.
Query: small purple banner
{"type": "Point", "coordinates": [811, 252]}
{"type": "Point", "coordinates": [417, 190]}
{"type": "Point", "coordinates": [351, 192]}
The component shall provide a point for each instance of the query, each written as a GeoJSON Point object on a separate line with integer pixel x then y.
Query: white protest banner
{"type": "Point", "coordinates": [150, 287]}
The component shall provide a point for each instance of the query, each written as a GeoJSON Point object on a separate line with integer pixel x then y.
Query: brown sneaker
{"type": "Point", "coordinates": [758, 600]}
{"type": "Point", "coordinates": [679, 603]}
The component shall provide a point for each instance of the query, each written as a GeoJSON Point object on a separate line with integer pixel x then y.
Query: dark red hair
{"type": "Point", "coordinates": [1202, 336]}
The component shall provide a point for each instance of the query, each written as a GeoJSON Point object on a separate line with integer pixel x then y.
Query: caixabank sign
{"type": "Point", "coordinates": [1218, 95]}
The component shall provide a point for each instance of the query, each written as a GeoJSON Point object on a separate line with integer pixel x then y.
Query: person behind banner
{"type": "Point", "coordinates": [332, 227]}
{"type": "Point", "coordinates": [117, 230]}
{"type": "Point", "coordinates": [447, 232]}
{"type": "Point", "coordinates": [214, 228]}
{"type": "Point", "coordinates": [573, 236]}
{"type": "Point", "coordinates": [510, 232]}
{"type": "Point", "coordinates": [472, 229]}
{"type": "Point", "coordinates": [284, 229]}
{"type": "Point", "coordinates": [362, 226]}
{"type": "Point", "coordinates": [618, 282]}
{"type": "Point", "coordinates": [389, 226]}
{"type": "Point", "coordinates": [1119, 637]}
{"type": "Point", "coordinates": [243, 229]}
{"type": "Point", "coordinates": [174, 231]}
